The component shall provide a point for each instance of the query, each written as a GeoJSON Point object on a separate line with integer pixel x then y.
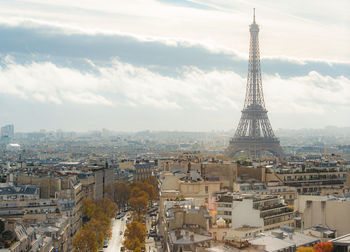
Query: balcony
{"type": "Point", "coordinates": [281, 212]}
{"type": "Point", "coordinates": [271, 207]}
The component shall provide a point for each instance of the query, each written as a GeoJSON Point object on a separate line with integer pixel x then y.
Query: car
{"type": "Point", "coordinates": [152, 235]}
{"type": "Point", "coordinates": [121, 248]}
{"type": "Point", "coordinates": [121, 232]}
{"type": "Point", "coordinates": [105, 244]}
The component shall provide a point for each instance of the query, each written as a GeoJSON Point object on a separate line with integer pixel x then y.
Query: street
{"type": "Point", "coordinates": [150, 245]}
{"type": "Point", "coordinates": [116, 240]}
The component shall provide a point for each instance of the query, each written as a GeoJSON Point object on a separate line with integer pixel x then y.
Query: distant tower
{"type": "Point", "coordinates": [254, 133]}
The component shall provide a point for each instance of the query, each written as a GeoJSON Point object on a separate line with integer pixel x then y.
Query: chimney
{"type": "Point", "coordinates": [192, 237]}
{"type": "Point", "coordinates": [178, 234]}
{"type": "Point", "coordinates": [167, 166]}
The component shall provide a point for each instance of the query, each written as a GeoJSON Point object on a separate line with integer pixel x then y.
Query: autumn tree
{"type": "Point", "coordinates": [108, 207]}
{"type": "Point", "coordinates": [121, 194]}
{"type": "Point", "coordinates": [99, 214]}
{"type": "Point", "coordinates": [109, 191]}
{"type": "Point", "coordinates": [89, 208]}
{"type": "Point", "coordinates": [323, 247]}
{"type": "Point", "coordinates": [98, 229]}
{"type": "Point", "coordinates": [138, 201]}
{"type": "Point", "coordinates": [135, 236]}
{"type": "Point", "coordinates": [148, 188]}
{"type": "Point", "coordinates": [135, 229]}
{"type": "Point", "coordinates": [132, 244]}
{"type": "Point", "coordinates": [305, 249]}
{"type": "Point", "coordinates": [85, 241]}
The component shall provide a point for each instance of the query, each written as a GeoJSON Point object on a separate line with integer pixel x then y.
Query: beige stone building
{"type": "Point", "coordinates": [70, 200]}
{"type": "Point", "coordinates": [327, 211]}
{"type": "Point", "coordinates": [190, 185]}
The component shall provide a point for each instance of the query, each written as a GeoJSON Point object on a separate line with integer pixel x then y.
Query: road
{"type": "Point", "coordinates": [116, 241]}
{"type": "Point", "coordinates": [150, 245]}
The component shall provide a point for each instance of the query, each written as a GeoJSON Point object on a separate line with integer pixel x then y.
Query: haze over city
{"type": "Point", "coordinates": [170, 65]}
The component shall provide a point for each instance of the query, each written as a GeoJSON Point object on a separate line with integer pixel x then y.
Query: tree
{"type": "Point", "coordinates": [138, 249]}
{"type": "Point", "coordinates": [89, 208]}
{"type": "Point", "coordinates": [108, 207]}
{"type": "Point", "coordinates": [134, 230]}
{"type": "Point", "coordinates": [98, 229]}
{"type": "Point", "coordinates": [305, 249]}
{"type": "Point", "coordinates": [121, 194]}
{"type": "Point", "coordinates": [132, 244]}
{"type": "Point", "coordinates": [139, 205]}
{"type": "Point", "coordinates": [323, 247]}
{"type": "Point", "coordinates": [108, 190]}
{"type": "Point", "coordinates": [148, 188]}
{"type": "Point", "coordinates": [137, 192]}
{"type": "Point", "coordinates": [135, 236]}
{"type": "Point", "coordinates": [99, 214]}
{"type": "Point", "coordinates": [85, 241]}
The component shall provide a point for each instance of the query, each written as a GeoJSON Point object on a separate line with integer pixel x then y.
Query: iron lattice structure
{"type": "Point", "coordinates": [254, 133]}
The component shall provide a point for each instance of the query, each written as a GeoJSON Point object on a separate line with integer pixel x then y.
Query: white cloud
{"type": "Point", "coordinates": [312, 31]}
{"type": "Point", "coordinates": [311, 94]}
{"type": "Point", "coordinates": [129, 86]}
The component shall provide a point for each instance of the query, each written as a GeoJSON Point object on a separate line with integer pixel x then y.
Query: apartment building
{"type": "Point", "coordinates": [309, 180]}
{"type": "Point", "coordinates": [288, 193]}
{"type": "Point", "coordinates": [326, 211]}
{"type": "Point", "coordinates": [267, 211]}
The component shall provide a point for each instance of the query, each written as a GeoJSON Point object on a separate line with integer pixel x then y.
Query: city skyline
{"type": "Point", "coordinates": [180, 66]}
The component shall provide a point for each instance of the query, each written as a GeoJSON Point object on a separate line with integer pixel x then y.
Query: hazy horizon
{"type": "Point", "coordinates": [328, 127]}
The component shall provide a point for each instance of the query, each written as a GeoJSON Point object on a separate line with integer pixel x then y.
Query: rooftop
{"type": "Point", "coordinates": [185, 237]}
{"type": "Point", "coordinates": [19, 189]}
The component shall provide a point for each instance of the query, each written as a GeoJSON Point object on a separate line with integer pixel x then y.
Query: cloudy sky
{"type": "Point", "coordinates": [170, 64]}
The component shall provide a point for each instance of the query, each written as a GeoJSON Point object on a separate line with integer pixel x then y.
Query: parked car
{"type": "Point", "coordinates": [121, 232]}
{"type": "Point", "coordinates": [105, 243]}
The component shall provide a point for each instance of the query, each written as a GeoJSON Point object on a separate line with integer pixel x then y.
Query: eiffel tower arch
{"type": "Point", "coordinates": [254, 134]}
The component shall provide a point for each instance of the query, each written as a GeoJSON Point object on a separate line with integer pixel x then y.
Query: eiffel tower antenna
{"type": "Point", "coordinates": [254, 133]}
{"type": "Point", "coordinates": [254, 16]}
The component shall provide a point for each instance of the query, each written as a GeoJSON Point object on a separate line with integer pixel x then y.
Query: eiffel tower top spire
{"type": "Point", "coordinates": [254, 92]}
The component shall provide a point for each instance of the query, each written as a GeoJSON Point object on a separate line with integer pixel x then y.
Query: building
{"type": "Point", "coordinates": [342, 243]}
{"type": "Point", "coordinates": [65, 189]}
{"type": "Point", "coordinates": [288, 193]}
{"type": "Point", "coordinates": [283, 239]}
{"type": "Point", "coordinates": [309, 180]}
{"type": "Point", "coordinates": [143, 169]}
{"type": "Point", "coordinates": [267, 211]}
{"type": "Point", "coordinates": [7, 133]}
{"type": "Point", "coordinates": [70, 200]}
{"type": "Point", "coordinates": [19, 192]}
{"type": "Point", "coordinates": [58, 229]}
{"type": "Point", "coordinates": [104, 178]}
{"type": "Point", "coordinates": [25, 239]}
{"type": "Point", "coordinates": [325, 211]}
{"type": "Point", "coordinates": [184, 240]}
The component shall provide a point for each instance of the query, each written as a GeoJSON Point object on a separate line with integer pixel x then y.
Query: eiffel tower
{"type": "Point", "coordinates": [254, 133]}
